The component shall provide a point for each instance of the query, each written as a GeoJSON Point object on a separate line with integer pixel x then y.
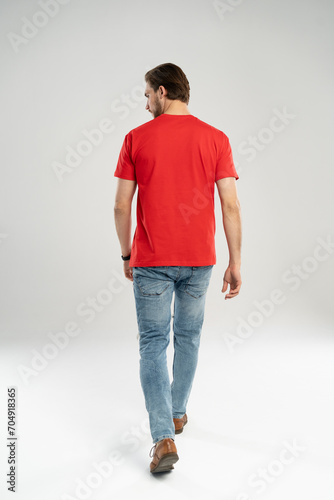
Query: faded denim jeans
{"type": "Point", "coordinates": [153, 290]}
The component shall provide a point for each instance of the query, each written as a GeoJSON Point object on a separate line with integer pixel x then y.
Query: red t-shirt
{"type": "Point", "coordinates": [175, 160]}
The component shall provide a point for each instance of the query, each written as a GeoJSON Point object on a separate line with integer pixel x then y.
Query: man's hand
{"type": "Point", "coordinates": [127, 270]}
{"type": "Point", "coordinates": [232, 277]}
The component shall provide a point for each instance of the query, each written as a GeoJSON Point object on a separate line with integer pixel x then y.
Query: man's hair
{"type": "Point", "coordinates": [172, 78]}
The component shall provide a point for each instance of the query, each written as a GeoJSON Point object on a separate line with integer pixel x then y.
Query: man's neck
{"type": "Point", "coordinates": [177, 108]}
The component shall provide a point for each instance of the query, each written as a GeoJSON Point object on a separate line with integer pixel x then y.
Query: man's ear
{"type": "Point", "coordinates": [163, 91]}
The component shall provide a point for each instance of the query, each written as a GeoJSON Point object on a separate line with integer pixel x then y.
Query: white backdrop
{"type": "Point", "coordinates": [259, 70]}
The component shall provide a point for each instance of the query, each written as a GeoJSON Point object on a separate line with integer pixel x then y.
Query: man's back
{"type": "Point", "coordinates": [175, 160]}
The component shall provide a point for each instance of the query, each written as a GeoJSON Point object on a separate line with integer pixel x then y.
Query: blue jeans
{"type": "Point", "coordinates": [153, 290]}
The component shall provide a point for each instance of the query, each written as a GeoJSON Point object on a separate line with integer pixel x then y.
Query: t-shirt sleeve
{"type": "Point", "coordinates": [125, 168]}
{"type": "Point", "coordinates": [225, 165]}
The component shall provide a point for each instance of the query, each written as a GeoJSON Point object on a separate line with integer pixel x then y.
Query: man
{"type": "Point", "coordinates": [175, 160]}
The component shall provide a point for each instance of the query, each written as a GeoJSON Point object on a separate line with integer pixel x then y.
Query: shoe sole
{"type": "Point", "coordinates": [181, 430]}
{"type": "Point", "coordinates": [166, 463]}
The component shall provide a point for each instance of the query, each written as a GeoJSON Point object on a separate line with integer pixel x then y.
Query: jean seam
{"type": "Point", "coordinates": [164, 436]}
{"type": "Point", "coordinates": [188, 293]}
{"type": "Point", "coordinates": [150, 294]}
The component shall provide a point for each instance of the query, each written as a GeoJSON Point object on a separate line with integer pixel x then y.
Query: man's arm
{"type": "Point", "coordinates": [232, 226]}
{"type": "Point", "coordinates": [122, 213]}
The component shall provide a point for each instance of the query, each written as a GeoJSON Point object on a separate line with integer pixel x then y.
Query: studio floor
{"type": "Point", "coordinates": [260, 421]}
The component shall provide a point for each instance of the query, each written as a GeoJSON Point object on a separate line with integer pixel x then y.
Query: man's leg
{"type": "Point", "coordinates": [189, 305]}
{"type": "Point", "coordinates": [153, 291]}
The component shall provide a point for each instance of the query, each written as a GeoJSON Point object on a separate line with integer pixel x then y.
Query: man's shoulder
{"type": "Point", "coordinates": [210, 128]}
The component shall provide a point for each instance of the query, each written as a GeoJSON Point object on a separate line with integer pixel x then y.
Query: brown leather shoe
{"type": "Point", "coordinates": [165, 455]}
{"type": "Point", "coordinates": [179, 423]}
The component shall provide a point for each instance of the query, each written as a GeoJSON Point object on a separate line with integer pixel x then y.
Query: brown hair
{"type": "Point", "coordinates": [172, 78]}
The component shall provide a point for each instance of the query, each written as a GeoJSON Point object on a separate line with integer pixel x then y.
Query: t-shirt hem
{"type": "Point", "coordinates": [172, 263]}
{"type": "Point", "coordinates": [125, 177]}
{"type": "Point", "coordinates": [236, 176]}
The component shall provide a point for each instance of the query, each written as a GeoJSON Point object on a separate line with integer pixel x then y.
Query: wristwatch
{"type": "Point", "coordinates": [126, 258]}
